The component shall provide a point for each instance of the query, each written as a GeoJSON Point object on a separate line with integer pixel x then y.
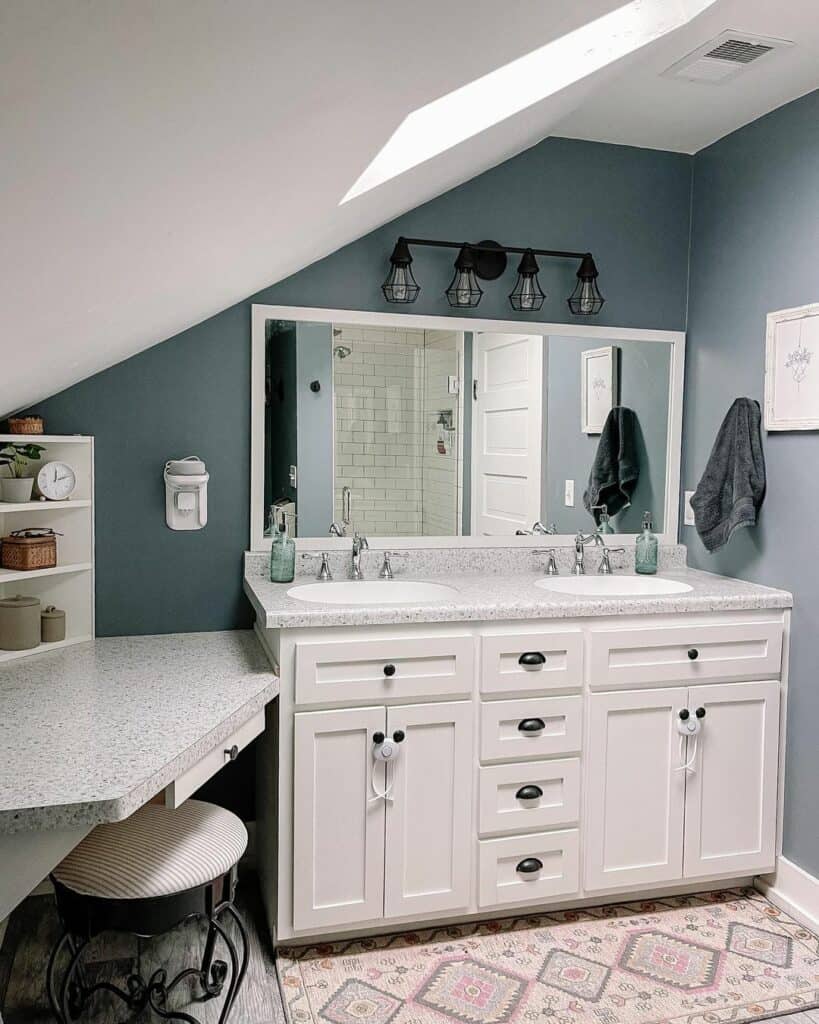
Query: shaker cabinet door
{"type": "Point", "coordinates": [338, 832]}
{"type": "Point", "coordinates": [635, 799]}
{"type": "Point", "coordinates": [429, 815]}
{"type": "Point", "coordinates": [730, 815]}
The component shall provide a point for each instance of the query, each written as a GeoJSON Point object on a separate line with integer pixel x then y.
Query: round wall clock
{"type": "Point", "coordinates": [56, 481]}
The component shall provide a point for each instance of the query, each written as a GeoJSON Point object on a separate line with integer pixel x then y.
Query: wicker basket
{"type": "Point", "coordinates": [26, 425]}
{"type": "Point", "coordinates": [29, 549]}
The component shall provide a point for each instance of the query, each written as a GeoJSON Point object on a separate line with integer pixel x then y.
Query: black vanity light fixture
{"type": "Point", "coordinates": [486, 261]}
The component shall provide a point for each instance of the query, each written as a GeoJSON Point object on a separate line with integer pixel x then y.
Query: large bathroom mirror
{"type": "Point", "coordinates": [437, 429]}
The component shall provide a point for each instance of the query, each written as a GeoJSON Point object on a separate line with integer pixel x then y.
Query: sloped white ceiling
{"type": "Point", "coordinates": [163, 159]}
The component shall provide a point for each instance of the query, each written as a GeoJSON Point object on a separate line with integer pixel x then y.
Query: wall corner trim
{"type": "Point", "coordinates": [793, 890]}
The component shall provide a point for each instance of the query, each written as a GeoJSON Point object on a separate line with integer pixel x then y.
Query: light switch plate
{"type": "Point", "coordinates": [569, 494]}
{"type": "Point", "coordinates": [688, 512]}
{"type": "Point", "coordinates": [294, 475]}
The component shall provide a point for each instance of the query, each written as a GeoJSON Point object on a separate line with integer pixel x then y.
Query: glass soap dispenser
{"type": "Point", "coordinates": [282, 554]}
{"type": "Point", "coordinates": [605, 522]}
{"type": "Point", "coordinates": [645, 555]}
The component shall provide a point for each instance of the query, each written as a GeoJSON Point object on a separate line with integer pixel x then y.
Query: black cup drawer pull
{"type": "Point", "coordinates": [531, 725]}
{"type": "Point", "coordinates": [529, 793]}
{"type": "Point", "coordinates": [529, 866]}
{"type": "Point", "coordinates": [532, 659]}
{"type": "Point", "coordinates": [389, 670]}
{"type": "Point", "coordinates": [693, 653]}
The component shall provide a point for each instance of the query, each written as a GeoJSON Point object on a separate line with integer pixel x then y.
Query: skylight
{"type": "Point", "coordinates": [464, 112]}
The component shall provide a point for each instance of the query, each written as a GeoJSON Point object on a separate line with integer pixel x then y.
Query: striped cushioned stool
{"type": "Point", "coordinates": [145, 876]}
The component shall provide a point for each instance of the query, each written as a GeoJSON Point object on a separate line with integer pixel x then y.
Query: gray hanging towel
{"type": "Point", "coordinates": [732, 488]}
{"type": "Point", "coordinates": [616, 467]}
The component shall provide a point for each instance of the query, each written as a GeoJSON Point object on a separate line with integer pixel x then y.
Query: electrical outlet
{"type": "Point", "coordinates": [568, 497]}
{"type": "Point", "coordinates": [294, 475]}
{"type": "Point", "coordinates": [453, 385]}
{"type": "Point", "coordinates": [688, 512]}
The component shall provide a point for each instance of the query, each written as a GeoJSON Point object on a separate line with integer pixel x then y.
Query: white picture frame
{"type": "Point", "coordinates": [599, 386]}
{"type": "Point", "coordinates": [792, 369]}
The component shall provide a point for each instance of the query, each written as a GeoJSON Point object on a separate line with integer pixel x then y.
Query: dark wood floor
{"type": "Point", "coordinates": [33, 930]}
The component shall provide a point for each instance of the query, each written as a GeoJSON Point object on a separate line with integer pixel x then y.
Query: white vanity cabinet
{"type": "Point", "coordinates": [376, 839]}
{"type": "Point", "coordinates": [538, 763]}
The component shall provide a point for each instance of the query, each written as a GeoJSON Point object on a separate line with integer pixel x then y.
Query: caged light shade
{"type": "Point", "coordinates": [586, 299]}
{"type": "Point", "coordinates": [400, 285]}
{"type": "Point", "coordinates": [527, 295]}
{"type": "Point", "coordinates": [464, 292]}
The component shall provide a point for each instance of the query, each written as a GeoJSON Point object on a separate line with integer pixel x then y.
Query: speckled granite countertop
{"type": "Point", "coordinates": [497, 596]}
{"type": "Point", "coordinates": [90, 733]}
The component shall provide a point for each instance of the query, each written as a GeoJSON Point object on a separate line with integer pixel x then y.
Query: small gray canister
{"type": "Point", "coordinates": [53, 625]}
{"type": "Point", "coordinates": [19, 623]}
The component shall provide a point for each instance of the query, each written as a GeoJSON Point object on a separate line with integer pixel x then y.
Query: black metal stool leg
{"type": "Point", "coordinates": [50, 987]}
{"type": "Point", "coordinates": [70, 1007]}
{"type": "Point", "coordinates": [236, 972]}
{"type": "Point", "coordinates": [233, 912]}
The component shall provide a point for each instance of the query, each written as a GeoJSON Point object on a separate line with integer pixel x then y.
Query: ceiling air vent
{"type": "Point", "coordinates": [723, 58]}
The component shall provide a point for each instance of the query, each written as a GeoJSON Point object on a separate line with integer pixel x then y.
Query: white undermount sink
{"type": "Point", "coordinates": [612, 586]}
{"type": "Point", "coordinates": [372, 592]}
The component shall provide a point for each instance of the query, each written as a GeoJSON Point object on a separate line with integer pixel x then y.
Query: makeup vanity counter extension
{"type": "Point", "coordinates": [512, 748]}
{"type": "Point", "coordinates": [90, 733]}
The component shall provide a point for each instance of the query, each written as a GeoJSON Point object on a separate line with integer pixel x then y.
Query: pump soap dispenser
{"type": "Point", "coordinates": [282, 553]}
{"type": "Point", "coordinates": [645, 554]}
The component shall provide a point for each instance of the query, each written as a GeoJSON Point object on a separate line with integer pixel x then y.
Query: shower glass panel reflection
{"type": "Point", "coordinates": [398, 430]}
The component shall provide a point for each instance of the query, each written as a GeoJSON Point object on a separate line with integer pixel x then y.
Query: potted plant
{"type": "Point", "coordinates": [16, 458]}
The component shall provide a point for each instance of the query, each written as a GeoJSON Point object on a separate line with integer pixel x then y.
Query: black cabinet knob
{"type": "Point", "coordinates": [531, 725]}
{"type": "Point", "coordinates": [232, 753]}
{"type": "Point", "coordinates": [399, 735]}
{"type": "Point", "coordinates": [693, 654]}
{"type": "Point", "coordinates": [389, 670]}
{"type": "Point", "coordinates": [685, 714]}
{"type": "Point", "coordinates": [378, 737]}
{"type": "Point", "coordinates": [529, 793]}
{"type": "Point", "coordinates": [529, 866]}
{"type": "Point", "coordinates": [532, 659]}
{"type": "Point", "coordinates": [700, 712]}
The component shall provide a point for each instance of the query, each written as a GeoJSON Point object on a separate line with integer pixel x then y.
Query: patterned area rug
{"type": "Point", "coordinates": [709, 959]}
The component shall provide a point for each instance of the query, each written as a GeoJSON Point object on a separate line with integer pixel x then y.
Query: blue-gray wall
{"type": "Point", "coordinates": [755, 248]}
{"type": "Point", "coordinates": [629, 206]}
{"type": "Point", "coordinates": [314, 490]}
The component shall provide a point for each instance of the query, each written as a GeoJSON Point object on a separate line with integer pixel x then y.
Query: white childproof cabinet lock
{"type": "Point", "coordinates": [186, 493]}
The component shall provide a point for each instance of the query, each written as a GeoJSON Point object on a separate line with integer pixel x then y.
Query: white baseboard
{"type": "Point", "coordinates": [793, 890]}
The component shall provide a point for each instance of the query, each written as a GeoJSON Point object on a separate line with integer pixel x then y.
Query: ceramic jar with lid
{"type": "Point", "coordinates": [19, 623]}
{"type": "Point", "coordinates": [53, 625]}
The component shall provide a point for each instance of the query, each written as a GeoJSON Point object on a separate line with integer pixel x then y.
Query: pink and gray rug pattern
{"type": "Point", "coordinates": [718, 958]}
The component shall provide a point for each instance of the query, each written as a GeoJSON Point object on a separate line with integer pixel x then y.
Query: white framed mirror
{"type": "Point", "coordinates": [425, 431]}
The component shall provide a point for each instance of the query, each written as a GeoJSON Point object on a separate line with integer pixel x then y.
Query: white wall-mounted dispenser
{"type": "Point", "coordinates": [186, 493]}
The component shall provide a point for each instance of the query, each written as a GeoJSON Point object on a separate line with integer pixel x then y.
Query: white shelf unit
{"type": "Point", "coordinates": [70, 585]}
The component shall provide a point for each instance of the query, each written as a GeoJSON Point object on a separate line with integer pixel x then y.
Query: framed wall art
{"type": "Point", "coordinates": [792, 369]}
{"type": "Point", "coordinates": [599, 383]}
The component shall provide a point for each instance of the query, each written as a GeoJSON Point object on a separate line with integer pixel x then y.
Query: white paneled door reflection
{"type": "Point", "coordinates": [506, 432]}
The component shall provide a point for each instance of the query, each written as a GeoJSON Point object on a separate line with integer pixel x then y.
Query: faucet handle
{"type": "Point", "coordinates": [386, 569]}
{"type": "Point", "coordinates": [551, 565]}
{"type": "Point", "coordinates": [605, 568]}
{"type": "Point", "coordinates": [324, 569]}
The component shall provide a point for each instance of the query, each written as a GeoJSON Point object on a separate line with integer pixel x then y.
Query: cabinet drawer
{"type": "Point", "coordinates": [365, 670]}
{"type": "Point", "coordinates": [694, 652]}
{"type": "Point", "coordinates": [528, 869]}
{"type": "Point", "coordinates": [523, 730]}
{"type": "Point", "coordinates": [526, 662]}
{"type": "Point", "coordinates": [178, 791]}
{"type": "Point", "coordinates": [529, 797]}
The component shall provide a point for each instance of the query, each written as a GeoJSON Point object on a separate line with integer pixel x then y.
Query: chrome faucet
{"type": "Point", "coordinates": [551, 565]}
{"type": "Point", "coordinates": [580, 542]}
{"type": "Point", "coordinates": [336, 530]}
{"type": "Point", "coordinates": [324, 569]}
{"type": "Point", "coordinates": [537, 528]}
{"type": "Point", "coordinates": [359, 544]}
{"type": "Point", "coordinates": [386, 569]}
